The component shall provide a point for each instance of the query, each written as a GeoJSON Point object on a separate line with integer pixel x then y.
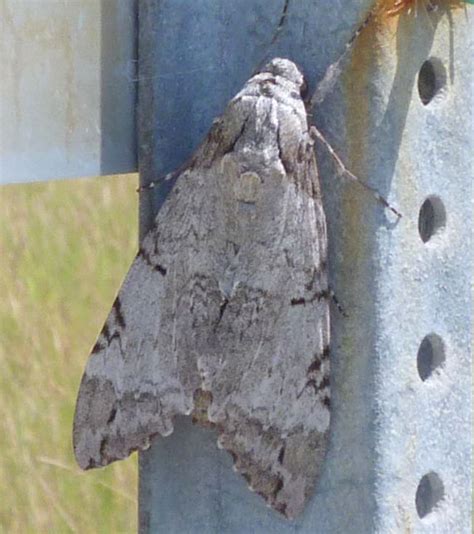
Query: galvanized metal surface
{"type": "Point", "coordinates": [399, 288]}
{"type": "Point", "coordinates": [422, 286]}
{"type": "Point", "coordinates": [67, 97]}
{"type": "Point", "coordinates": [400, 452]}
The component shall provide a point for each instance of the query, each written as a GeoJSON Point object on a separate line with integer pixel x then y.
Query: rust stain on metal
{"type": "Point", "coordinates": [357, 78]}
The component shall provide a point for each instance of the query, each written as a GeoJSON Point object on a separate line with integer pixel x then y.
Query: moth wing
{"type": "Point", "coordinates": [271, 395]}
{"type": "Point", "coordinates": [141, 372]}
{"type": "Point", "coordinates": [268, 366]}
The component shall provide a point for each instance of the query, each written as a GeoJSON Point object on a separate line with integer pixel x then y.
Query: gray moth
{"type": "Point", "coordinates": [224, 314]}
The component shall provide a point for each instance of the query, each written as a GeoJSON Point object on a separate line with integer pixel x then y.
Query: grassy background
{"type": "Point", "coordinates": [65, 248]}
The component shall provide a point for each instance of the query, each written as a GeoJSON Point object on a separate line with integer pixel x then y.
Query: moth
{"type": "Point", "coordinates": [224, 314]}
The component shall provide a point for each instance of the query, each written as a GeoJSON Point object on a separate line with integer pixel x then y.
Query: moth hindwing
{"type": "Point", "coordinates": [224, 314]}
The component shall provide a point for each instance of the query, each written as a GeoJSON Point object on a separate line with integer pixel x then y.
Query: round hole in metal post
{"type": "Point", "coordinates": [431, 355]}
{"type": "Point", "coordinates": [429, 493]}
{"type": "Point", "coordinates": [432, 218]}
{"type": "Point", "coordinates": [432, 80]}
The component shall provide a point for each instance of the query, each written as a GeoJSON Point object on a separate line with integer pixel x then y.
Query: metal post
{"type": "Point", "coordinates": [67, 96]}
{"type": "Point", "coordinates": [399, 458]}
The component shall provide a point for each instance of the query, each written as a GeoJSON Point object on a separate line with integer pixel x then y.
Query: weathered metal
{"type": "Point", "coordinates": [67, 102]}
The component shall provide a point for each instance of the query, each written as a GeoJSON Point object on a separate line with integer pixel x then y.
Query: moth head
{"type": "Point", "coordinates": [288, 70]}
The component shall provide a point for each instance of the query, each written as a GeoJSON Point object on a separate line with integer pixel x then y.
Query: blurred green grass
{"type": "Point", "coordinates": [64, 247]}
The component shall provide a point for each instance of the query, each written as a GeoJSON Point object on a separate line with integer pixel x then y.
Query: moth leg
{"type": "Point", "coordinates": [159, 181]}
{"type": "Point", "coordinates": [336, 302]}
{"type": "Point", "coordinates": [343, 171]}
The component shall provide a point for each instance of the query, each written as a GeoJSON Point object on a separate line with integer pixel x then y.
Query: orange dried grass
{"type": "Point", "coordinates": [395, 7]}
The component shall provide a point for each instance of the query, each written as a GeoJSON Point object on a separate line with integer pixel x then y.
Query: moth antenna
{"type": "Point", "coordinates": [316, 134]}
{"type": "Point", "coordinates": [334, 70]}
{"type": "Point", "coordinates": [281, 22]}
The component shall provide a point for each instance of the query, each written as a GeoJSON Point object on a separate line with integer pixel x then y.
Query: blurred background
{"type": "Point", "coordinates": [65, 247]}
